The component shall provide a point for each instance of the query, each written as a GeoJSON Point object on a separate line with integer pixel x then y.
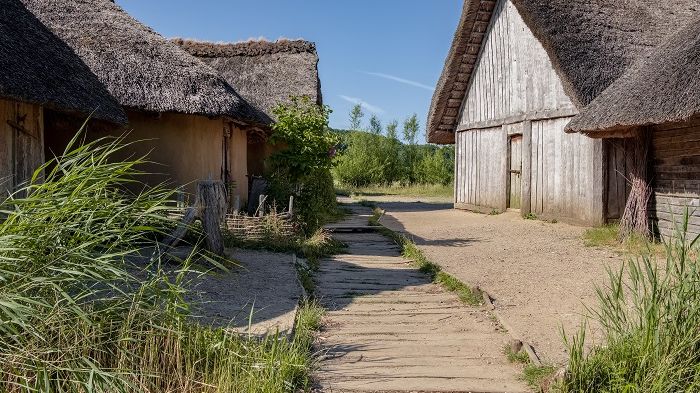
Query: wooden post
{"type": "Point", "coordinates": [291, 205]}
{"type": "Point", "coordinates": [261, 205]}
{"type": "Point", "coordinates": [236, 204]}
{"type": "Point", "coordinates": [505, 169]}
{"type": "Point", "coordinates": [211, 206]}
{"type": "Point", "coordinates": [526, 191]}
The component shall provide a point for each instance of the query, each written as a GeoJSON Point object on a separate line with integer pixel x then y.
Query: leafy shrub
{"type": "Point", "coordinates": [303, 167]}
{"type": "Point", "coordinates": [373, 160]}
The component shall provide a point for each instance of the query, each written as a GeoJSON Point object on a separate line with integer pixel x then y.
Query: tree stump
{"type": "Point", "coordinates": [211, 207]}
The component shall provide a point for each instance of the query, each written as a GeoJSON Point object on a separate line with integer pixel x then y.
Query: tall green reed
{"type": "Point", "coordinates": [649, 312]}
{"type": "Point", "coordinates": [86, 305]}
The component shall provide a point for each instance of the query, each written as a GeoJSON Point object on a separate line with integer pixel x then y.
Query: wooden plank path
{"type": "Point", "coordinates": [389, 329]}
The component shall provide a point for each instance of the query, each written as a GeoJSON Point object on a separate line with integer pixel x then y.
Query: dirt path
{"type": "Point", "coordinates": [541, 274]}
{"type": "Point", "coordinates": [389, 329]}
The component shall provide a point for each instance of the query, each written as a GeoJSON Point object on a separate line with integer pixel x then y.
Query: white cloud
{"type": "Point", "coordinates": [364, 104]}
{"type": "Point", "coordinates": [400, 80]}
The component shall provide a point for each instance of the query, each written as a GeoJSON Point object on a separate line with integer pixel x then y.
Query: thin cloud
{"type": "Point", "coordinates": [400, 80]}
{"type": "Point", "coordinates": [364, 104]}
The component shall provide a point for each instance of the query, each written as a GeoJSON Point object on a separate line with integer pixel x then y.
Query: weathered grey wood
{"type": "Point", "coordinates": [676, 178]}
{"type": "Point", "coordinates": [566, 174]}
{"type": "Point", "coordinates": [181, 230]}
{"type": "Point", "coordinates": [527, 168]}
{"type": "Point", "coordinates": [519, 118]}
{"type": "Point", "coordinates": [513, 76]}
{"type": "Point", "coordinates": [236, 204]}
{"type": "Point", "coordinates": [211, 206]}
{"type": "Point", "coordinates": [261, 205]}
{"type": "Point", "coordinates": [482, 175]}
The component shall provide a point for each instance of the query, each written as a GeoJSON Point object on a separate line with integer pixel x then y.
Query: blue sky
{"type": "Point", "coordinates": [386, 54]}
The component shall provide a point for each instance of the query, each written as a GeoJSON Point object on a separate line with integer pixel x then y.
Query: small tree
{"type": "Point", "coordinates": [392, 153]}
{"type": "Point", "coordinates": [375, 125]}
{"type": "Point", "coordinates": [302, 126]}
{"type": "Point", "coordinates": [410, 131]}
{"type": "Point", "coordinates": [356, 115]}
{"type": "Point", "coordinates": [302, 168]}
{"type": "Point", "coordinates": [392, 130]}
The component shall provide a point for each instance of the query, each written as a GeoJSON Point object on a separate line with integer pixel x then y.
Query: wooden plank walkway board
{"type": "Point", "coordinates": [389, 329]}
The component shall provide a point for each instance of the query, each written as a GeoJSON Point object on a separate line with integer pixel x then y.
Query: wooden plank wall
{"type": "Point", "coordinates": [481, 160]}
{"type": "Point", "coordinates": [566, 174]}
{"type": "Point", "coordinates": [676, 177]}
{"type": "Point", "coordinates": [618, 153]}
{"type": "Point", "coordinates": [513, 75]}
{"type": "Point", "coordinates": [21, 152]}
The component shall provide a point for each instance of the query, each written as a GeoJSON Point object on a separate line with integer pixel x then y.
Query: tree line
{"type": "Point", "coordinates": [373, 154]}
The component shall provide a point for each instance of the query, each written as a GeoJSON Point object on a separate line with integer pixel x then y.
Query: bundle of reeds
{"type": "Point", "coordinates": [635, 219]}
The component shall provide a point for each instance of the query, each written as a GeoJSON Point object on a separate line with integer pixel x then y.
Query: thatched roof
{"type": "Point", "coordinates": [264, 73]}
{"type": "Point", "coordinates": [661, 88]}
{"type": "Point", "coordinates": [590, 44]}
{"type": "Point", "coordinates": [37, 67]}
{"type": "Point", "coordinates": [143, 70]}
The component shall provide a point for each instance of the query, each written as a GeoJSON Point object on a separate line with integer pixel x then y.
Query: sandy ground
{"type": "Point", "coordinates": [540, 274]}
{"type": "Point", "coordinates": [265, 283]}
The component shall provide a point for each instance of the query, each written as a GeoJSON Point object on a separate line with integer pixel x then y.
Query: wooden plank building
{"type": "Point", "coordinates": [189, 121]}
{"type": "Point", "coordinates": [38, 74]}
{"type": "Point", "coordinates": [658, 98]}
{"type": "Point", "coordinates": [518, 71]}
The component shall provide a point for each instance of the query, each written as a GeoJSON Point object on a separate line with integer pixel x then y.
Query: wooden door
{"type": "Point", "coordinates": [515, 165]}
{"type": "Point", "coordinates": [21, 141]}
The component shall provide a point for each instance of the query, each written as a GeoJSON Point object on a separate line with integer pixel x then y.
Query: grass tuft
{"type": "Point", "coordinates": [634, 245]}
{"type": "Point", "coordinates": [519, 357]}
{"type": "Point", "coordinates": [535, 375]}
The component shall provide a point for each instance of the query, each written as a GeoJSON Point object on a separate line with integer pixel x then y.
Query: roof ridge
{"type": "Point", "coordinates": [250, 48]}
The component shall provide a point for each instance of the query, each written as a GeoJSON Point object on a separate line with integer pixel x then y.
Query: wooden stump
{"type": "Point", "coordinates": [211, 206]}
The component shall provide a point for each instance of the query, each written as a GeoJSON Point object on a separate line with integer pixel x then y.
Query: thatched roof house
{"type": "Point", "coordinates": [662, 87]}
{"type": "Point", "coordinates": [39, 71]}
{"type": "Point", "coordinates": [589, 43]}
{"type": "Point", "coordinates": [517, 72]}
{"type": "Point", "coordinates": [168, 94]}
{"type": "Point", "coordinates": [139, 67]}
{"type": "Point", "coordinates": [659, 94]}
{"type": "Point", "coordinates": [38, 67]}
{"type": "Point", "coordinates": [266, 74]}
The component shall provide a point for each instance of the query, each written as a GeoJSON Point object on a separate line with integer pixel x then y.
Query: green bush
{"type": "Point", "coordinates": [650, 316]}
{"type": "Point", "coordinates": [302, 168]}
{"type": "Point", "coordinates": [370, 160]}
{"type": "Point", "coordinates": [436, 167]}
